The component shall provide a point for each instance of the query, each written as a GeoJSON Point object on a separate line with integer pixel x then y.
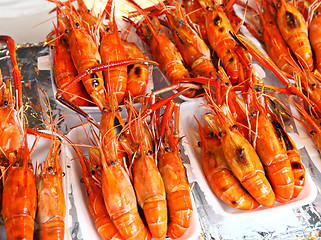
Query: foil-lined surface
{"type": "Point", "coordinates": [306, 222]}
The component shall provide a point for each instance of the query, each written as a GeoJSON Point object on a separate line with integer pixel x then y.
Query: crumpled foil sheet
{"type": "Point", "coordinates": [35, 82]}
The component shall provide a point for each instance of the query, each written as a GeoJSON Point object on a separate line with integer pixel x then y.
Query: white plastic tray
{"type": "Point", "coordinates": [86, 225]}
{"type": "Point", "coordinates": [189, 129]}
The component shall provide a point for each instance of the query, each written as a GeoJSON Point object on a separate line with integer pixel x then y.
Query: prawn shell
{"type": "Point", "coordinates": [247, 167]}
{"type": "Point", "coordinates": [121, 203]}
{"type": "Point", "coordinates": [151, 196]}
{"type": "Point", "coordinates": [177, 193]}
{"type": "Point", "coordinates": [221, 178]}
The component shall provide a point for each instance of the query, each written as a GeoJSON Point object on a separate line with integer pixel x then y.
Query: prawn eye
{"type": "Point", "coordinates": [181, 21]}
{"type": "Point", "coordinates": [5, 103]}
{"type": "Point", "coordinates": [234, 126]}
{"type": "Point", "coordinates": [77, 24]}
{"type": "Point", "coordinates": [95, 83]}
{"type": "Point", "coordinates": [166, 149]}
{"type": "Point", "coordinates": [93, 172]}
{"type": "Point", "coordinates": [50, 168]}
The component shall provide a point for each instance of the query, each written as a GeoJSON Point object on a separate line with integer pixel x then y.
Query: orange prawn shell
{"type": "Point", "coordinates": [220, 176]}
{"type": "Point", "coordinates": [65, 71]}
{"type": "Point", "coordinates": [151, 196]}
{"type": "Point", "coordinates": [219, 28]}
{"type": "Point", "coordinates": [315, 39]}
{"type": "Point", "coordinates": [138, 74]}
{"type": "Point", "coordinates": [294, 30]}
{"type": "Point", "coordinates": [273, 155]}
{"type": "Point", "coordinates": [121, 203]}
{"type": "Point", "coordinates": [51, 206]}
{"type": "Point", "coordinates": [20, 185]}
{"type": "Point", "coordinates": [178, 196]}
{"type": "Point", "coordinates": [111, 49]}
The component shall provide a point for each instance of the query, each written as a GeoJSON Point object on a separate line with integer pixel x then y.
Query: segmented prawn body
{"type": "Point", "coordinates": [218, 33]}
{"type": "Point", "coordinates": [121, 203]}
{"type": "Point", "coordinates": [219, 174]}
{"type": "Point", "coordinates": [85, 54]}
{"type": "Point", "coordinates": [19, 184]}
{"type": "Point", "coordinates": [91, 172]}
{"type": "Point", "coordinates": [112, 49]}
{"type": "Point", "coordinates": [294, 30]}
{"type": "Point", "coordinates": [275, 45]}
{"type": "Point", "coordinates": [194, 50]}
{"type": "Point", "coordinates": [272, 152]}
{"type": "Point", "coordinates": [51, 199]}
{"type": "Point", "coordinates": [314, 36]}
{"type": "Point", "coordinates": [195, 13]}
{"type": "Point", "coordinates": [64, 72]}
{"type": "Point", "coordinates": [173, 173]}
{"type": "Point", "coordinates": [147, 181]}
{"type": "Point", "coordinates": [138, 74]}
{"type": "Point", "coordinates": [242, 159]}
{"type": "Point", "coordinates": [294, 158]}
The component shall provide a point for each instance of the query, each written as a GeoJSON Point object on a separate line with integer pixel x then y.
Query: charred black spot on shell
{"type": "Point", "coordinates": [68, 166]}
{"type": "Point", "coordinates": [291, 20]}
{"type": "Point", "coordinates": [271, 22]}
{"type": "Point", "coordinates": [221, 29]}
{"type": "Point", "coordinates": [95, 83]}
{"type": "Point", "coordinates": [231, 59]}
{"type": "Point", "coordinates": [217, 20]}
{"type": "Point", "coordinates": [93, 172]}
{"type": "Point", "coordinates": [211, 134]}
{"type": "Point", "coordinates": [240, 155]}
{"type": "Point", "coordinates": [117, 125]}
{"type": "Point", "coordinates": [296, 165]}
{"type": "Point", "coordinates": [138, 71]}
{"type": "Point", "coordinates": [129, 67]}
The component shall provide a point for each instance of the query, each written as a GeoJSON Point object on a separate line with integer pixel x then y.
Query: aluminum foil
{"type": "Point", "coordinates": [35, 83]}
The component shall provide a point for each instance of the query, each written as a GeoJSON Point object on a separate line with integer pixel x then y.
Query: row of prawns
{"type": "Point", "coordinates": [247, 156]}
{"type": "Point", "coordinates": [290, 36]}
{"type": "Point", "coordinates": [82, 41]}
{"type": "Point", "coordinates": [136, 166]}
{"type": "Point", "coordinates": [27, 197]}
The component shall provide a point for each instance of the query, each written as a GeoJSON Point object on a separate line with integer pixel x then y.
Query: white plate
{"type": "Point", "coordinates": [39, 155]}
{"type": "Point", "coordinates": [86, 225]}
{"type": "Point", "coordinates": [189, 129]}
